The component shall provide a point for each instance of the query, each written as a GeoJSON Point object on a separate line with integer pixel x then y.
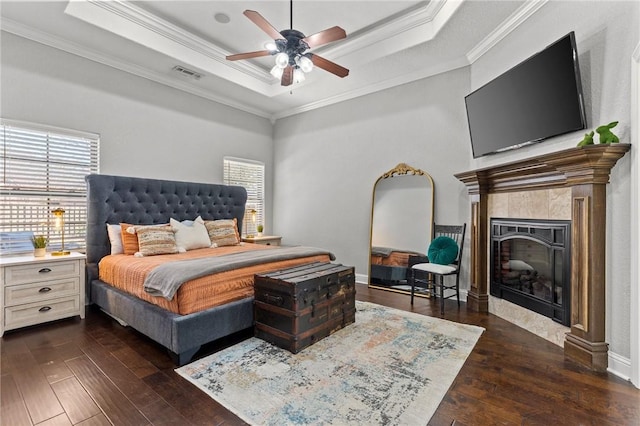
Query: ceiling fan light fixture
{"type": "Point", "coordinates": [291, 61]}
{"type": "Point", "coordinates": [298, 75]}
{"type": "Point", "coordinates": [304, 63]}
{"type": "Point", "coordinates": [277, 72]}
{"type": "Point", "coordinates": [282, 60]}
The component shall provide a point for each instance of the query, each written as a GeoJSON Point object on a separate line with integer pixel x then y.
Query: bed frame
{"type": "Point", "coordinates": [115, 199]}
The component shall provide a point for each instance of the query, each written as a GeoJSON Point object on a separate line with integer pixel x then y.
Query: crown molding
{"type": "Point", "coordinates": [151, 22]}
{"type": "Point", "coordinates": [511, 23]}
{"type": "Point", "coordinates": [421, 19]}
{"type": "Point", "coordinates": [375, 87]}
{"type": "Point", "coordinates": [130, 22]}
{"type": "Point", "coordinates": [417, 26]}
{"type": "Point", "coordinates": [133, 23]}
{"type": "Point", "coordinates": [37, 36]}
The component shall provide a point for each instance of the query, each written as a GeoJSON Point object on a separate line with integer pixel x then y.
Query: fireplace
{"type": "Point", "coordinates": [584, 171]}
{"type": "Point", "coordinates": [531, 265]}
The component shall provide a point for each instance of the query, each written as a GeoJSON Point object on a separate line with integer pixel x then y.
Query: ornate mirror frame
{"type": "Point", "coordinates": [401, 171]}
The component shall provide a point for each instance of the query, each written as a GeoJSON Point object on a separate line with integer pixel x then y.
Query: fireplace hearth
{"type": "Point", "coordinates": [531, 265]}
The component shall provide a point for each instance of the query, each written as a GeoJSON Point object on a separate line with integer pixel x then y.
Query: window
{"type": "Point", "coordinates": [250, 175]}
{"type": "Point", "coordinates": [41, 169]}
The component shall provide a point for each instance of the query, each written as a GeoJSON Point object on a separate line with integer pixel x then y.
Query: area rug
{"type": "Point", "coordinates": [390, 367]}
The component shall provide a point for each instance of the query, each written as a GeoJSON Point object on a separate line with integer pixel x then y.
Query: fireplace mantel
{"type": "Point", "coordinates": [574, 166]}
{"type": "Point", "coordinates": [586, 171]}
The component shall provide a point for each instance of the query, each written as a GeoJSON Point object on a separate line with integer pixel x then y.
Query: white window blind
{"type": "Point", "coordinates": [43, 168]}
{"type": "Point", "coordinates": [250, 175]}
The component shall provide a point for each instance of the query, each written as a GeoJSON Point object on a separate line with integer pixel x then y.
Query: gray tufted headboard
{"type": "Point", "coordinates": [116, 199]}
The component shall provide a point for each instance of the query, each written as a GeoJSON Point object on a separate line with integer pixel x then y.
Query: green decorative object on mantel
{"type": "Point", "coordinates": [606, 135]}
{"type": "Point", "coordinates": [588, 139]}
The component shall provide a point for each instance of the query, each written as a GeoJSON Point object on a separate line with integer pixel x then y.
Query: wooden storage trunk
{"type": "Point", "coordinates": [296, 307]}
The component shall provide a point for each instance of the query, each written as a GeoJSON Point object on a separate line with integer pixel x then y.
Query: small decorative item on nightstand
{"type": "Point", "coordinates": [59, 225]}
{"type": "Point", "coordinates": [260, 228]}
{"type": "Point", "coordinates": [39, 245]}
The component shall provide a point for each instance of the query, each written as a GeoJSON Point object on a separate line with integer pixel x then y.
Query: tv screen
{"type": "Point", "coordinates": [535, 100]}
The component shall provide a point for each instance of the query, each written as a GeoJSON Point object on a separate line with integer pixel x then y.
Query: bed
{"type": "Point", "coordinates": [137, 201]}
{"type": "Point", "coordinates": [389, 266]}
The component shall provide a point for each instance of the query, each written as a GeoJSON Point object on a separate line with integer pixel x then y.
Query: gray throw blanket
{"type": "Point", "coordinates": [386, 251]}
{"type": "Point", "coordinates": [166, 279]}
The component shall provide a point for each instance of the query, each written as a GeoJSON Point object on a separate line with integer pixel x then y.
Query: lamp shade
{"type": "Point", "coordinates": [304, 63]}
{"type": "Point", "coordinates": [298, 75]}
{"type": "Point", "coordinates": [277, 72]}
{"type": "Point", "coordinates": [282, 60]}
{"type": "Point", "coordinates": [58, 213]}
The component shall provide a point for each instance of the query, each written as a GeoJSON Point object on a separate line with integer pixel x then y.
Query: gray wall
{"type": "Point", "coordinates": [146, 129]}
{"type": "Point", "coordinates": [606, 35]}
{"type": "Point", "coordinates": [327, 161]}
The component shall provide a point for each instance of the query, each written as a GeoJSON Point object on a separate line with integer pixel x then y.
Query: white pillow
{"type": "Point", "coordinates": [115, 238]}
{"type": "Point", "coordinates": [190, 237]}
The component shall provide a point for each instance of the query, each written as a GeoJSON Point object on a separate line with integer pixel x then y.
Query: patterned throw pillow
{"type": "Point", "coordinates": [154, 240]}
{"type": "Point", "coordinates": [223, 232]}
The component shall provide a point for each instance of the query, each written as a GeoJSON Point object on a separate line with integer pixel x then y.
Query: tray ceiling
{"type": "Point", "coordinates": [388, 42]}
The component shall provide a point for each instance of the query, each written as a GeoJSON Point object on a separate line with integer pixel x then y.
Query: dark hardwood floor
{"type": "Point", "coordinates": [95, 372]}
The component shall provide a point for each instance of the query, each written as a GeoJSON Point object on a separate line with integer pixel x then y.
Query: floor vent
{"type": "Point", "coordinates": [187, 72]}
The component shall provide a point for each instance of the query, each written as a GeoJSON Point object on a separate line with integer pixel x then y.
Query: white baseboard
{"type": "Point", "coordinates": [619, 366]}
{"type": "Point", "coordinates": [364, 279]}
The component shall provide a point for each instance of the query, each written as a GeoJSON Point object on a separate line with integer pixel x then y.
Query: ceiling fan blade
{"type": "Point", "coordinates": [327, 65]}
{"type": "Point", "coordinates": [248, 55]}
{"type": "Point", "coordinates": [324, 37]}
{"type": "Point", "coordinates": [287, 76]}
{"type": "Point", "coordinates": [263, 24]}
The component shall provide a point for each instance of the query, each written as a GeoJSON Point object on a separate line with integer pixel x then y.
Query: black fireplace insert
{"type": "Point", "coordinates": [531, 265]}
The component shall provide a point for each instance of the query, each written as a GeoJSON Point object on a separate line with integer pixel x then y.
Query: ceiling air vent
{"type": "Point", "coordinates": [186, 72]}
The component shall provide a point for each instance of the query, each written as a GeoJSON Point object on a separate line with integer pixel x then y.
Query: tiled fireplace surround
{"type": "Point", "coordinates": [536, 204]}
{"type": "Point", "coordinates": [568, 185]}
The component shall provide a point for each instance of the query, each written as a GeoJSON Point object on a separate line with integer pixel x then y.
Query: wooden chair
{"type": "Point", "coordinates": [430, 275]}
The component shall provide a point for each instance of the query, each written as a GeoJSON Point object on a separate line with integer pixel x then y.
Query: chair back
{"type": "Point", "coordinates": [456, 233]}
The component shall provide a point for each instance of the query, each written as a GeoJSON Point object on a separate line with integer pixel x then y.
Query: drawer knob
{"type": "Point", "coordinates": [44, 290]}
{"type": "Point", "coordinates": [44, 270]}
{"type": "Point", "coordinates": [45, 309]}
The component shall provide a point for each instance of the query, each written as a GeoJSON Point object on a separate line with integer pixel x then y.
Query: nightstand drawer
{"type": "Point", "coordinates": [41, 271]}
{"type": "Point", "coordinates": [36, 313]}
{"type": "Point", "coordinates": [39, 292]}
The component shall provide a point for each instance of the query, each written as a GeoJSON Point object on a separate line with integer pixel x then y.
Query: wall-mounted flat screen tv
{"type": "Point", "coordinates": [535, 100]}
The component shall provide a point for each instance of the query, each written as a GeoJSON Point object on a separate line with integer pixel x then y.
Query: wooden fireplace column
{"type": "Point", "coordinates": [586, 171]}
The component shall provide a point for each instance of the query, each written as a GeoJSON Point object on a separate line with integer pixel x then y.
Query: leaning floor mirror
{"type": "Point", "coordinates": [402, 211]}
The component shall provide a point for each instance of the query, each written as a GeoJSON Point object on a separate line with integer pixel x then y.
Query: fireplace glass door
{"type": "Point", "coordinates": [530, 265]}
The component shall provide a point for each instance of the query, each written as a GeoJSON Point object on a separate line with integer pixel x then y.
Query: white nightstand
{"type": "Point", "coordinates": [40, 289]}
{"type": "Point", "coordinates": [269, 240]}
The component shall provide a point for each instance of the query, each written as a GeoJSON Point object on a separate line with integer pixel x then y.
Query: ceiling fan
{"type": "Point", "coordinates": [291, 47]}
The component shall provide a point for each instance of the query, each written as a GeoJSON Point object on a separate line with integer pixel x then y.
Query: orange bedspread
{"type": "Point", "coordinates": [128, 273]}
